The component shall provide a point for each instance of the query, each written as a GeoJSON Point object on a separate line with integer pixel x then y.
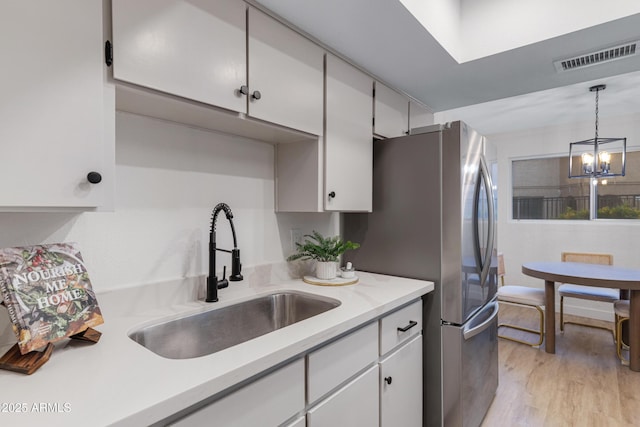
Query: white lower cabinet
{"type": "Point", "coordinates": [268, 401]}
{"type": "Point", "coordinates": [401, 386]}
{"type": "Point", "coordinates": [354, 405]}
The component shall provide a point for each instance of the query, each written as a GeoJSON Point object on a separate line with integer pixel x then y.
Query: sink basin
{"type": "Point", "coordinates": [211, 331]}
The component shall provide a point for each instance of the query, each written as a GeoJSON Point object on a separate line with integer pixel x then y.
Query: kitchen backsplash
{"type": "Point", "coordinates": [168, 179]}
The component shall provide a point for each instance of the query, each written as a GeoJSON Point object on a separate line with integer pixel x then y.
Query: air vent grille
{"type": "Point", "coordinates": [598, 57]}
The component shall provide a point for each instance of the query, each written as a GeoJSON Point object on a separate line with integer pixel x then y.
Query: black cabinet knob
{"type": "Point", "coordinates": [243, 90]}
{"type": "Point", "coordinates": [94, 177]}
{"type": "Point", "coordinates": [332, 194]}
{"type": "Point", "coordinates": [256, 95]}
{"type": "Point", "coordinates": [388, 380]}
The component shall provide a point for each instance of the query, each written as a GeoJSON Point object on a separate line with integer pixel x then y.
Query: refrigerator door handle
{"type": "Point", "coordinates": [472, 332]}
{"type": "Point", "coordinates": [484, 263]}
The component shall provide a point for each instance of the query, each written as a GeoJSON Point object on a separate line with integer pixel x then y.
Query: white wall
{"type": "Point", "coordinates": [169, 178]}
{"type": "Point", "coordinates": [523, 241]}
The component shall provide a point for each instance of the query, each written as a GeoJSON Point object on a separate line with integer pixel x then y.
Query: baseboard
{"type": "Point", "coordinates": [590, 312]}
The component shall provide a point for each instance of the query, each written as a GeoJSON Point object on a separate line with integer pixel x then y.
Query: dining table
{"type": "Point", "coordinates": [606, 276]}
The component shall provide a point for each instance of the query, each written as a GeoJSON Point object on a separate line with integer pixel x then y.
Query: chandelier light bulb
{"type": "Point", "coordinates": [605, 161]}
{"type": "Point", "coordinates": [587, 163]}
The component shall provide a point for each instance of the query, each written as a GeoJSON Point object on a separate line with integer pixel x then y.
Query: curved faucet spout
{"type": "Point", "coordinates": [227, 211]}
{"type": "Point", "coordinates": [213, 284]}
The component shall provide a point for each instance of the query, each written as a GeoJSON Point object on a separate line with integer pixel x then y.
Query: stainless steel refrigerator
{"type": "Point", "coordinates": [434, 218]}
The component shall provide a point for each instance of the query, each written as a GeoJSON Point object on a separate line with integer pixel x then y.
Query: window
{"type": "Point", "coordinates": [543, 190]}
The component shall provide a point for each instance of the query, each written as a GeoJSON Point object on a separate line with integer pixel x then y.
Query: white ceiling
{"type": "Point", "coordinates": [510, 90]}
{"type": "Point", "coordinates": [474, 29]}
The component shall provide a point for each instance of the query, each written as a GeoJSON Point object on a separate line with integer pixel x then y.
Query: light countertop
{"type": "Point", "coordinates": [119, 382]}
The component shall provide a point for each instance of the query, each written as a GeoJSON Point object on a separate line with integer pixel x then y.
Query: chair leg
{"type": "Point", "coordinates": [561, 313]}
{"type": "Point", "coordinates": [619, 342]}
{"type": "Point", "coordinates": [562, 322]}
{"type": "Point", "coordinates": [539, 332]}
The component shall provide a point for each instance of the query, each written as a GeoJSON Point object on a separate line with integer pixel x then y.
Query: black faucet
{"type": "Point", "coordinates": [213, 284]}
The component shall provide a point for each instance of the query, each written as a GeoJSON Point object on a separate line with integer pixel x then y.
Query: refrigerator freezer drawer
{"type": "Point", "coordinates": [470, 368]}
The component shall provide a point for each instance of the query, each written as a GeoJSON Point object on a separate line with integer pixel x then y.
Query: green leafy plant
{"type": "Point", "coordinates": [571, 213]}
{"type": "Point", "coordinates": [322, 248]}
{"type": "Point", "coordinates": [619, 212]}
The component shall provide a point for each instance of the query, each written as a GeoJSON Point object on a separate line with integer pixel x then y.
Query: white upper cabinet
{"type": "Point", "coordinates": [419, 115]}
{"type": "Point", "coordinates": [348, 139]}
{"type": "Point", "coordinates": [194, 49]}
{"type": "Point", "coordinates": [53, 129]}
{"type": "Point", "coordinates": [285, 75]}
{"type": "Point", "coordinates": [391, 112]}
{"type": "Point", "coordinates": [220, 54]}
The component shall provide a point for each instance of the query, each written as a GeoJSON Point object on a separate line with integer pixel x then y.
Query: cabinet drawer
{"type": "Point", "coordinates": [335, 363]}
{"type": "Point", "coordinates": [399, 326]}
{"type": "Point", "coordinates": [354, 405]}
{"type": "Point", "coordinates": [268, 401]}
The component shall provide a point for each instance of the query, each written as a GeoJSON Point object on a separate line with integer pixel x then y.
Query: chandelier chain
{"type": "Point", "coordinates": [597, 97]}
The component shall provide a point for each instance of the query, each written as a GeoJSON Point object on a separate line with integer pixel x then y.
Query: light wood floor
{"type": "Point", "coordinates": [583, 384]}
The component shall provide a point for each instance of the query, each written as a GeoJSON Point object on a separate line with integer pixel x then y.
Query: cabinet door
{"type": "Point", "coordinates": [401, 386]}
{"type": "Point", "coordinates": [52, 128]}
{"type": "Point", "coordinates": [268, 401]}
{"type": "Point", "coordinates": [354, 405]}
{"type": "Point", "coordinates": [419, 115]}
{"type": "Point", "coordinates": [286, 70]}
{"type": "Point", "coordinates": [348, 138]}
{"type": "Point", "coordinates": [391, 112]}
{"type": "Point", "coordinates": [194, 49]}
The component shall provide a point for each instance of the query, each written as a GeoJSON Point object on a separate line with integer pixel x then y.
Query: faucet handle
{"type": "Point", "coordinates": [236, 266]}
{"type": "Point", "coordinates": [224, 282]}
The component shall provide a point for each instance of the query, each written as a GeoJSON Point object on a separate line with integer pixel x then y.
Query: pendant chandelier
{"type": "Point", "coordinates": [595, 157]}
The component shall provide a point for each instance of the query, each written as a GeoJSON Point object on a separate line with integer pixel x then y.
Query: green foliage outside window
{"type": "Point", "coordinates": [615, 212]}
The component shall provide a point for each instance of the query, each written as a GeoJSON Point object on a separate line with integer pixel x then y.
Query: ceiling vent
{"type": "Point", "coordinates": [598, 57]}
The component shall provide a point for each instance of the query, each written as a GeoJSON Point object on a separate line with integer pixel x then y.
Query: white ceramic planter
{"type": "Point", "coordinates": [326, 270]}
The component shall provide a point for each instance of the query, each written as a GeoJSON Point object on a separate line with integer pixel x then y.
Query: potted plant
{"type": "Point", "coordinates": [325, 251]}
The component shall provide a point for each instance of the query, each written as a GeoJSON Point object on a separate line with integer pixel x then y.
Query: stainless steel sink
{"type": "Point", "coordinates": [211, 331]}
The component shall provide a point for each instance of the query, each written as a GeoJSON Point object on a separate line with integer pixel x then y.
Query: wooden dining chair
{"type": "Point", "coordinates": [621, 310]}
{"type": "Point", "coordinates": [522, 296]}
{"type": "Point", "coordinates": [593, 293]}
